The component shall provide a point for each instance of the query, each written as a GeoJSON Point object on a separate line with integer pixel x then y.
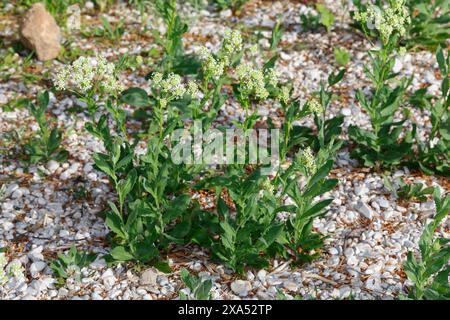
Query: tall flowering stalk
{"type": "Point", "coordinates": [376, 148]}
{"type": "Point", "coordinates": [215, 70]}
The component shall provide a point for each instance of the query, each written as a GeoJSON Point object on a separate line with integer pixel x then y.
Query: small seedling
{"type": "Point", "coordinates": [69, 265]}
{"type": "Point", "coordinates": [341, 56]}
{"type": "Point", "coordinates": [429, 272]}
{"type": "Point", "coordinates": [326, 16]}
{"type": "Point", "coordinates": [111, 32]}
{"type": "Point", "coordinates": [200, 289]}
{"type": "Point", "coordinates": [47, 145]}
{"type": "Point", "coordinates": [414, 191]}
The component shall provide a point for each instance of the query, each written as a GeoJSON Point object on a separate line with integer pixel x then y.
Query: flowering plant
{"type": "Point", "coordinates": [89, 78]}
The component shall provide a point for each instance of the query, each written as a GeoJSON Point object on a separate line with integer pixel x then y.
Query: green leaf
{"type": "Point", "coordinates": [177, 207]}
{"type": "Point", "coordinates": [125, 186]}
{"type": "Point", "coordinates": [101, 161]}
{"type": "Point", "coordinates": [326, 16]}
{"type": "Point", "coordinates": [335, 78]}
{"type": "Point", "coordinates": [119, 253]}
{"type": "Point", "coordinates": [114, 221]}
{"type": "Point", "coordinates": [163, 266]}
{"type": "Point", "coordinates": [203, 291]}
{"type": "Point", "coordinates": [135, 97]}
{"type": "Point", "coordinates": [441, 61]}
{"type": "Point", "coordinates": [43, 100]}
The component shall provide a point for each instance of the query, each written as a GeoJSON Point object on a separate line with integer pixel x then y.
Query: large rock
{"type": "Point", "coordinates": [39, 32]}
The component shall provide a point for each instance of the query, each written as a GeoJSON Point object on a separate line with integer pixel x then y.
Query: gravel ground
{"type": "Point", "coordinates": [47, 209]}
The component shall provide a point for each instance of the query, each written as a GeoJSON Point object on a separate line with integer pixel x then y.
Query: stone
{"type": "Point", "coordinates": [36, 254]}
{"type": "Point", "coordinates": [333, 251]}
{"type": "Point", "coordinates": [148, 277]}
{"type": "Point", "coordinates": [74, 18]}
{"type": "Point", "coordinates": [108, 278]}
{"type": "Point", "coordinates": [364, 210]}
{"type": "Point", "coordinates": [290, 285]}
{"type": "Point", "coordinates": [52, 166]}
{"type": "Point", "coordinates": [39, 32]}
{"type": "Point", "coordinates": [163, 280]}
{"type": "Point", "coordinates": [241, 287]}
{"type": "Point", "coordinates": [37, 267]}
{"type": "Point", "coordinates": [262, 275]}
{"type": "Point", "coordinates": [10, 189]}
{"type": "Point", "coordinates": [346, 112]}
{"type": "Point", "coordinates": [383, 203]}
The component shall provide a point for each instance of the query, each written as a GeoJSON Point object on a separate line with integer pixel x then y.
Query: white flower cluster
{"type": "Point", "coordinates": [86, 74]}
{"type": "Point", "coordinates": [251, 81]}
{"type": "Point", "coordinates": [315, 106]}
{"type": "Point", "coordinates": [272, 77]}
{"type": "Point", "coordinates": [212, 67]}
{"type": "Point", "coordinates": [388, 20]}
{"type": "Point", "coordinates": [192, 89]}
{"type": "Point", "coordinates": [231, 44]}
{"type": "Point", "coordinates": [172, 87]}
{"type": "Point", "coordinates": [14, 270]}
{"type": "Point", "coordinates": [107, 76]}
{"type": "Point", "coordinates": [215, 66]}
{"type": "Point", "coordinates": [284, 94]}
{"type": "Point", "coordinates": [307, 161]}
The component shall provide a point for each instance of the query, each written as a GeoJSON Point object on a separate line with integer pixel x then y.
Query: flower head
{"type": "Point", "coordinates": [253, 49]}
{"type": "Point", "coordinates": [86, 74]}
{"type": "Point", "coordinates": [283, 95]}
{"type": "Point", "coordinates": [157, 78]}
{"type": "Point", "coordinates": [82, 74]}
{"type": "Point", "coordinates": [212, 67]}
{"type": "Point", "coordinates": [232, 43]}
{"type": "Point", "coordinates": [16, 270]}
{"type": "Point", "coordinates": [387, 21]}
{"type": "Point", "coordinates": [106, 73]}
{"type": "Point", "coordinates": [307, 161]}
{"type": "Point", "coordinates": [314, 106]}
{"type": "Point", "coordinates": [251, 81]}
{"type": "Point", "coordinates": [192, 89]}
{"type": "Point", "coordinates": [272, 77]}
{"type": "Point", "coordinates": [172, 86]}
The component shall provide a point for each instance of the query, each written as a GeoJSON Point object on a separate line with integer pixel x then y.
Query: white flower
{"type": "Point", "coordinates": [253, 49]}
{"type": "Point", "coordinates": [212, 67]}
{"type": "Point", "coordinates": [163, 103]}
{"type": "Point", "coordinates": [232, 43]}
{"type": "Point", "coordinates": [82, 74]}
{"type": "Point", "coordinates": [192, 89]}
{"type": "Point", "coordinates": [62, 79]}
{"type": "Point", "coordinates": [16, 270]}
{"type": "Point", "coordinates": [306, 160]}
{"type": "Point", "coordinates": [272, 77]}
{"type": "Point", "coordinates": [283, 96]}
{"type": "Point", "coordinates": [251, 81]}
{"type": "Point", "coordinates": [315, 106]}
{"type": "Point", "coordinates": [172, 86]}
{"type": "Point", "coordinates": [106, 72]}
{"type": "Point", "coordinates": [157, 78]}
{"type": "Point", "coordinates": [85, 74]}
{"type": "Point", "coordinates": [388, 20]}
